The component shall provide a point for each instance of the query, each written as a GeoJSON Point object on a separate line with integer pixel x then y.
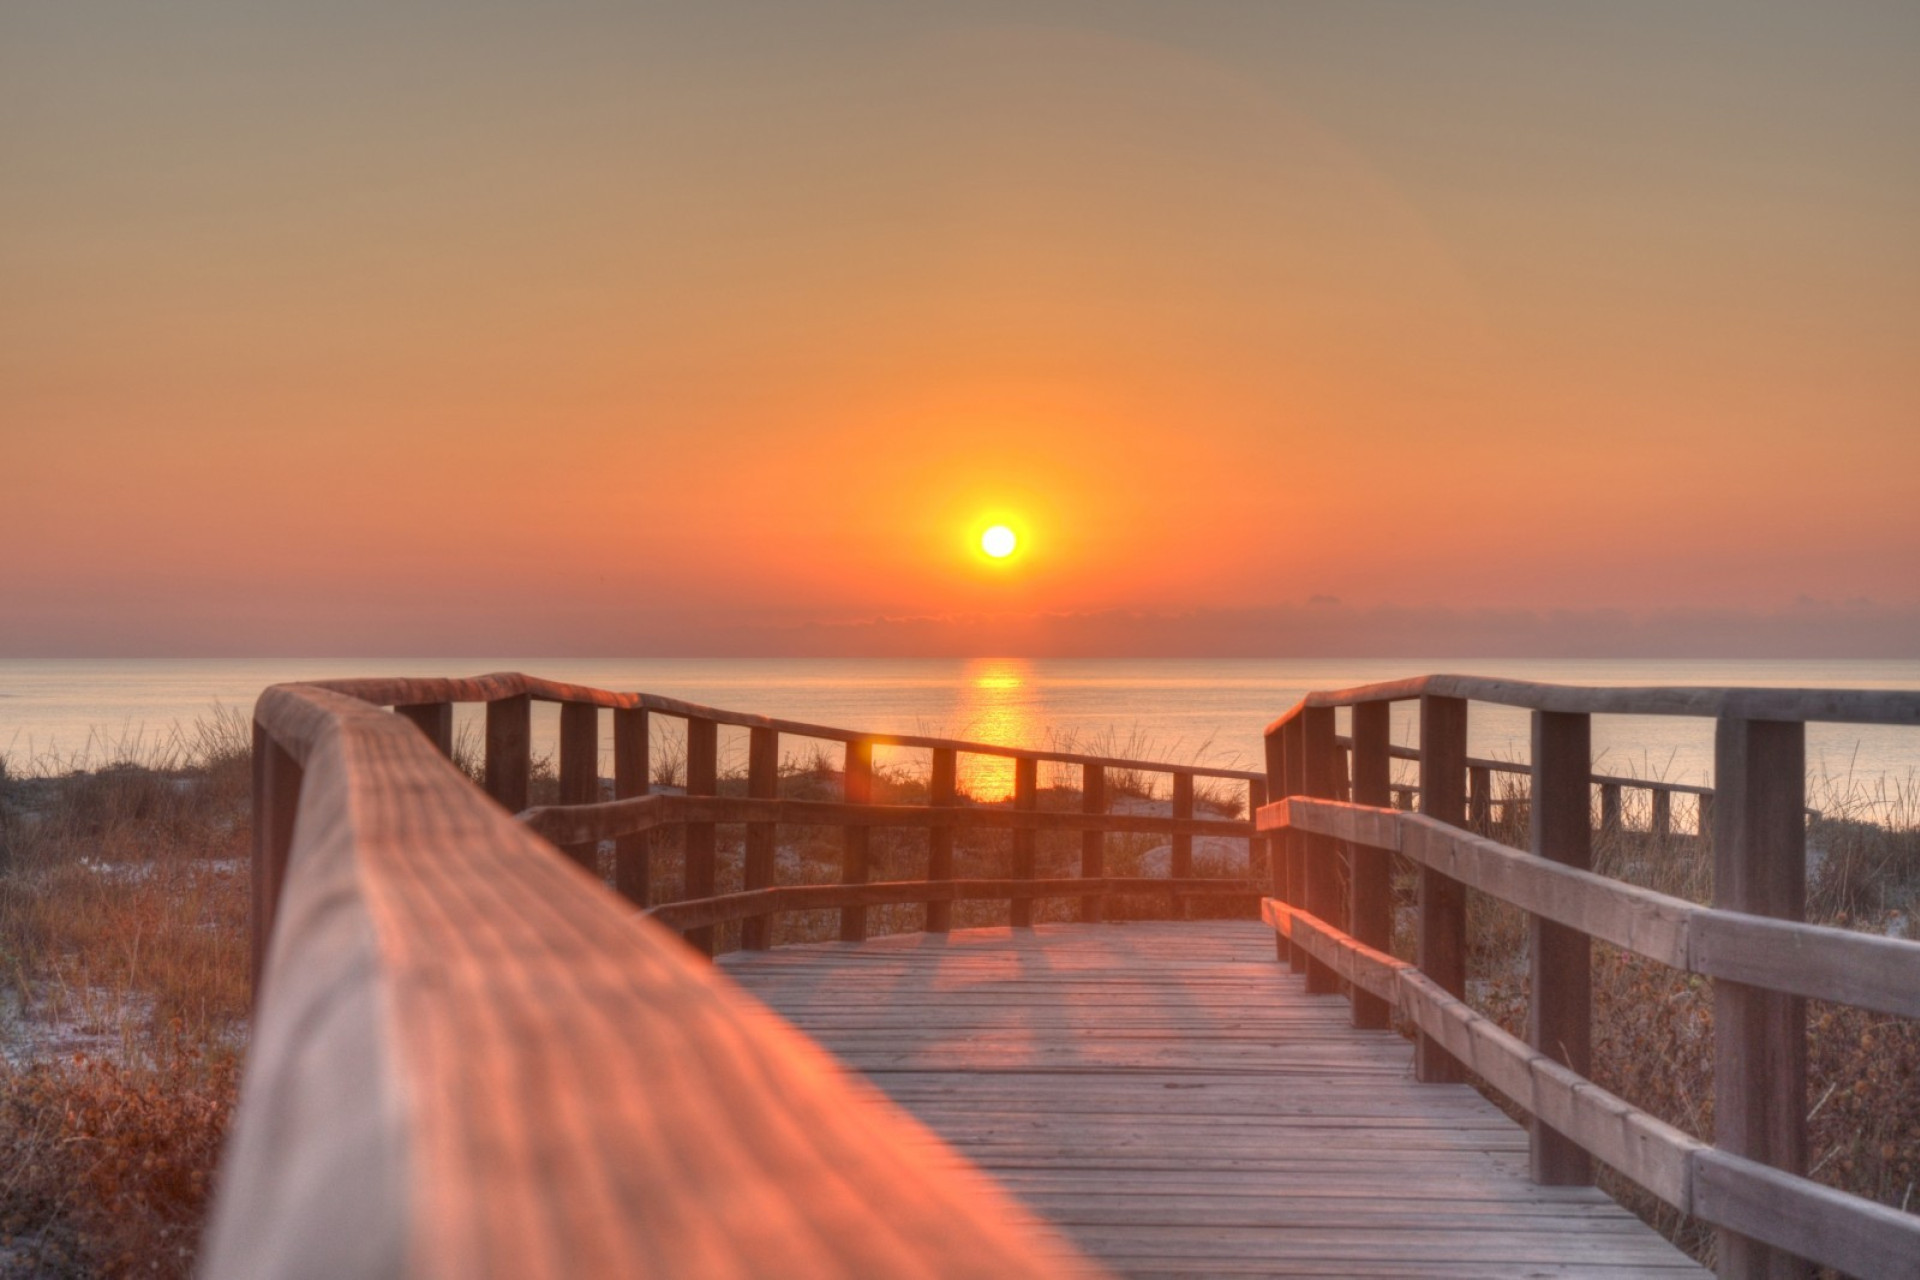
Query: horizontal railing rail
{"type": "Point", "coordinates": [1823, 706]}
{"type": "Point", "coordinates": [501, 687]}
{"type": "Point", "coordinates": [1333, 829]}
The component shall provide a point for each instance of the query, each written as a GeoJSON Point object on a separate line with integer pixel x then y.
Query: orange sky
{"type": "Point", "coordinates": [444, 329]}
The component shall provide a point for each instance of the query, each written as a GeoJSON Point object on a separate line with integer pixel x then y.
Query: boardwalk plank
{"type": "Point", "coordinates": [1171, 1099]}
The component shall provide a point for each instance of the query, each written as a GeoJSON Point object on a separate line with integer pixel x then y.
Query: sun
{"type": "Point", "coordinates": [998, 541]}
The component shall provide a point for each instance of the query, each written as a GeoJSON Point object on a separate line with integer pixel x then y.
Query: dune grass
{"type": "Point", "coordinates": [123, 998]}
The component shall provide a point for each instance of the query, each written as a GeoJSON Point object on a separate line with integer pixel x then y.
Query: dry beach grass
{"type": "Point", "coordinates": [123, 998]}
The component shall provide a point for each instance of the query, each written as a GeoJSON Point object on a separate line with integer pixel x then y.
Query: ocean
{"type": "Point", "coordinates": [58, 714]}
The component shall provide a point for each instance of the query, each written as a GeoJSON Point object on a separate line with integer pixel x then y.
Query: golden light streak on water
{"type": "Point", "coordinates": [996, 706]}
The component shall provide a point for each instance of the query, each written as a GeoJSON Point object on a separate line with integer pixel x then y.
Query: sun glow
{"type": "Point", "coordinates": [998, 541]}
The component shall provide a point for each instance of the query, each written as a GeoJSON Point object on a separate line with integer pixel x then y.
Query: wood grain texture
{"type": "Point", "coordinates": [1650, 1152]}
{"type": "Point", "coordinates": [1370, 901]}
{"type": "Point", "coordinates": [1760, 1036]}
{"type": "Point", "coordinates": [1559, 957]}
{"type": "Point", "coordinates": [943, 791]}
{"type": "Point", "coordinates": [703, 779]}
{"type": "Point", "coordinates": [461, 1068]}
{"type": "Point", "coordinates": [510, 751]}
{"type": "Point", "coordinates": [277, 778]}
{"type": "Point", "coordinates": [759, 869]}
{"type": "Point", "coordinates": [1321, 852]}
{"type": "Point", "coordinates": [1171, 1098]}
{"type": "Point", "coordinates": [1026, 788]}
{"type": "Point", "coordinates": [1180, 851]}
{"type": "Point", "coordinates": [1795, 1216]}
{"type": "Point", "coordinates": [1093, 844]}
{"type": "Point", "coordinates": [632, 777]}
{"type": "Point", "coordinates": [1778, 1217]}
{"type": "Point", "coordinates": [1817, 961]}
{"type": "Point", "coordinates": [435, 719]}
{"type": "Point", "coordinates": [580, 770]}
{"type": "Point", "coordinates": [1294, 759]}
{"type": "Point", "coordinates": [855, 848]}
{"type": "Point", "coordinates": [1442, 931]}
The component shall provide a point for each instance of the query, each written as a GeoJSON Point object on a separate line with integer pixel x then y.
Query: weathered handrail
{"type": "Point", "coordinates": [469, 1060]}
{"type": "Point", "coordinates": [1332, 805]}
{"type": "Point", "coordinates": [1824, 706]}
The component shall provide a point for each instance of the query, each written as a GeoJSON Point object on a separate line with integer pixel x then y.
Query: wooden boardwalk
{"type": "Point", "coordinates": [1170, 1098]}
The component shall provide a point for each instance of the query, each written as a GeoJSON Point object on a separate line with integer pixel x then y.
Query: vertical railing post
{"type": "Point", "coordinates": [1257, 861]}
{"type": "Point", "coordinates": [1180, 848]}
{"type": "Point", "coordinates": [1610, 820]}
{"type": "Point", "coordinates": [1295, 761]}
{"type": "Point", "coordinates": [276, 802]}
{"type": "Point", "coordinates": [1480, 798]}
{"type": "Point", "coordinates": [435, 719]}
{"type": "Point", "coordinates": [580, 770]}
{"type": "Point", "coordinates": [1370, 901]}
{"type": "Point", "coordinates": [703, 779]}
{"type": "Point", "coordinates": [1442, 950]}
{"type": "Point", "coordinates": [856, 850]}
{"type": "Point", "coordinates": [632, 763]}
{"type": "Point", "coordinates": [1704, 819]}
{"type": "Point", "coordinates": [1093, 843]}
{"type": "Point", "coordinates": [510, 750]}
{"type": "Point", "coordinates": [1323, 875]}
{"type": "Point", "coordinates": [1560, 1013]}
{"type": "Point", "coordinates": [1661, 823]}
{"type": "Point", "coordinates": [1026, 789]}
{"type": "Point", "coordinates": [1760, 1036]}
{"type": "Point", "coordinates": [1276, 789]}
{"type": "Point", "coordinates": [758, 868]}
{"type": "Point", "coordinates": [943, 792]}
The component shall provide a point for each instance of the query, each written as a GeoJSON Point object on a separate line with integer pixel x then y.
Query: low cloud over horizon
{"type": "Point", "coordinates": [1321, 627]}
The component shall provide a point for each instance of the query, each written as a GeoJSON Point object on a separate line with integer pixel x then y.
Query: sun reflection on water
{"type": "Point", "coordinates": [995, 707]}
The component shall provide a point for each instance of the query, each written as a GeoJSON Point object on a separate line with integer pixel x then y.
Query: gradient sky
{"type": "Point", "coordinates": [606, 328]}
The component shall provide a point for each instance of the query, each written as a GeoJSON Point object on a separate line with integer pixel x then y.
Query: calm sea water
{"type": "Point", "coordinates": [66, 713]}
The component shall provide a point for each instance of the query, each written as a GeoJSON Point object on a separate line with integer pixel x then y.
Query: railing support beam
{"type": "Point", "coordinates": [1295, 760]}
{"type": "Point", "coordinates": [1323, 876]}
{"type": "Point", "coordinates": [857, 847]}
{"type": "Point", "coordinates": [580, 769]}
{"type": "Point", "coordinates": [435, 719]}
{"type": "Point", "coordinates": [276, 802]}
{"type": "Point", "coordinates": [1560, 1013]}
{"type": "Point", "coordinates": [1276, 789]}
{"type": "Point", "coordinates": [632, 763]}
{"type": "Point", "coordinates": [944, 793]}
{"type": "Point", "coordinates": [510, 750]}
{"type": "Point", "coordinates": [703, 779]}
{"type": "Point", "coordinates": [1026, 778]}
{"type": "Point", "coordinates": [763, 783]}
{"type": "Point", "coordinates": [1093, 844]}
{"type": "Point", "coordinates": [1443, 900]}
{"type": "Point", "coordinates": [1370, 900]}
{"type": "Point", "coordinates": [1760, 1036]}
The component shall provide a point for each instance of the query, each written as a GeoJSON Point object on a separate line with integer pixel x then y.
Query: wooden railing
{"type": "Point", "coordinates": [1483, 802]}
{"type": "Point", "coordinates": [1333, 819]}
{"type": "Point", "coordinates": [468, 1058]}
